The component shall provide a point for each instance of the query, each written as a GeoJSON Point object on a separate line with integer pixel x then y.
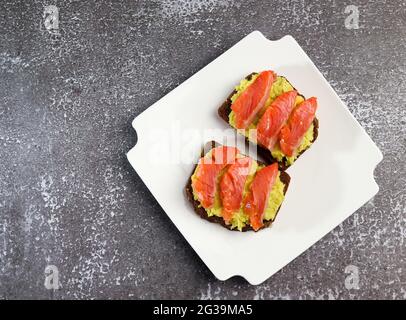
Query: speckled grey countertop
{"type": "Point", "coordinates": [69, 198]}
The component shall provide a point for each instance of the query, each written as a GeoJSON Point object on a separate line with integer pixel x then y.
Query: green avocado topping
{"type": "Point", "coordinates": [281, 85]}
{"type": "Point", "coordinates": [239, 220]}
{"type": "Point", "coordinates": [275, 200]}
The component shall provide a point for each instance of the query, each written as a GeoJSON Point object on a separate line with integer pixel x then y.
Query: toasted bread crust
{"type": "Point", "coordinates": [225, 110]}
{"type": "Point", "coordinates": [285, 178]}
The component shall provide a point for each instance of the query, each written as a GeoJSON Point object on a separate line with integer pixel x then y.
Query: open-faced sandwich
{"type": "Point", "coordinates": [235, 190]}
{"type": "Point", "coordinates": [268, 111]}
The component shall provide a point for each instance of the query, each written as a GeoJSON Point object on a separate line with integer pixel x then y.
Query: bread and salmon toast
{"type": "Point", "coordinates": [237, 191]}
{"type": "Point", "coordinates": [234, 190]}
{"type": "Point", "coordinates": [272, 114]}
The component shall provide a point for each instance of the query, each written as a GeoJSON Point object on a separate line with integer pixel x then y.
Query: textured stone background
{"type": "Point", "coordinates": [69, 198]}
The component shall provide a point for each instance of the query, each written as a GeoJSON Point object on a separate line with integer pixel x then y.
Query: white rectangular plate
{"type": "Point", "coordinates": [329, 181]}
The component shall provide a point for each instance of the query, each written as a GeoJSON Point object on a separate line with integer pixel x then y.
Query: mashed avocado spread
{"type": "Point", "coordinates": [240, 219]}
{"type": "Point", "coordinates": [281, 85]}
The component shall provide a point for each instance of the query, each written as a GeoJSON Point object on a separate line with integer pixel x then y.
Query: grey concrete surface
{"type": "Point", "coordinates": [69, 198]}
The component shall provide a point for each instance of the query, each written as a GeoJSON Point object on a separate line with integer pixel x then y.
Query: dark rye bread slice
{"type": "Point", "coordinates": [225, 110]}
{"type": "Point", "coordinates": [285, 178]}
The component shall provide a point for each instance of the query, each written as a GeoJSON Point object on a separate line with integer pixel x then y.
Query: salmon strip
{"type": "Point", "coordinates": [232, 186]}
{"type": "Point", "coordinates": [252, 99]}
{"type": "Point", "coordinates": [274, 118]}
{"type": "Point", "coordinates": [299, 122]}
{"type": "Point", "coordinates": [204, 183]}
{"type": "Point", "coordinates": [257, 199]}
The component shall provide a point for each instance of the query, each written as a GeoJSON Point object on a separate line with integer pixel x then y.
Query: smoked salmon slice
{"type": "Point", "coordinates": [299, 122]}
{"type": "Point", "coordinates": [232, 186]}
{"type": "Point", "coordinates": [257, 198]}
{"type": "Point", "coordinates": [252, 99]}
{"type": "Point", "coordinates": [204, 181]}
{"type": "Point", "coordinates": [274, 118]}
